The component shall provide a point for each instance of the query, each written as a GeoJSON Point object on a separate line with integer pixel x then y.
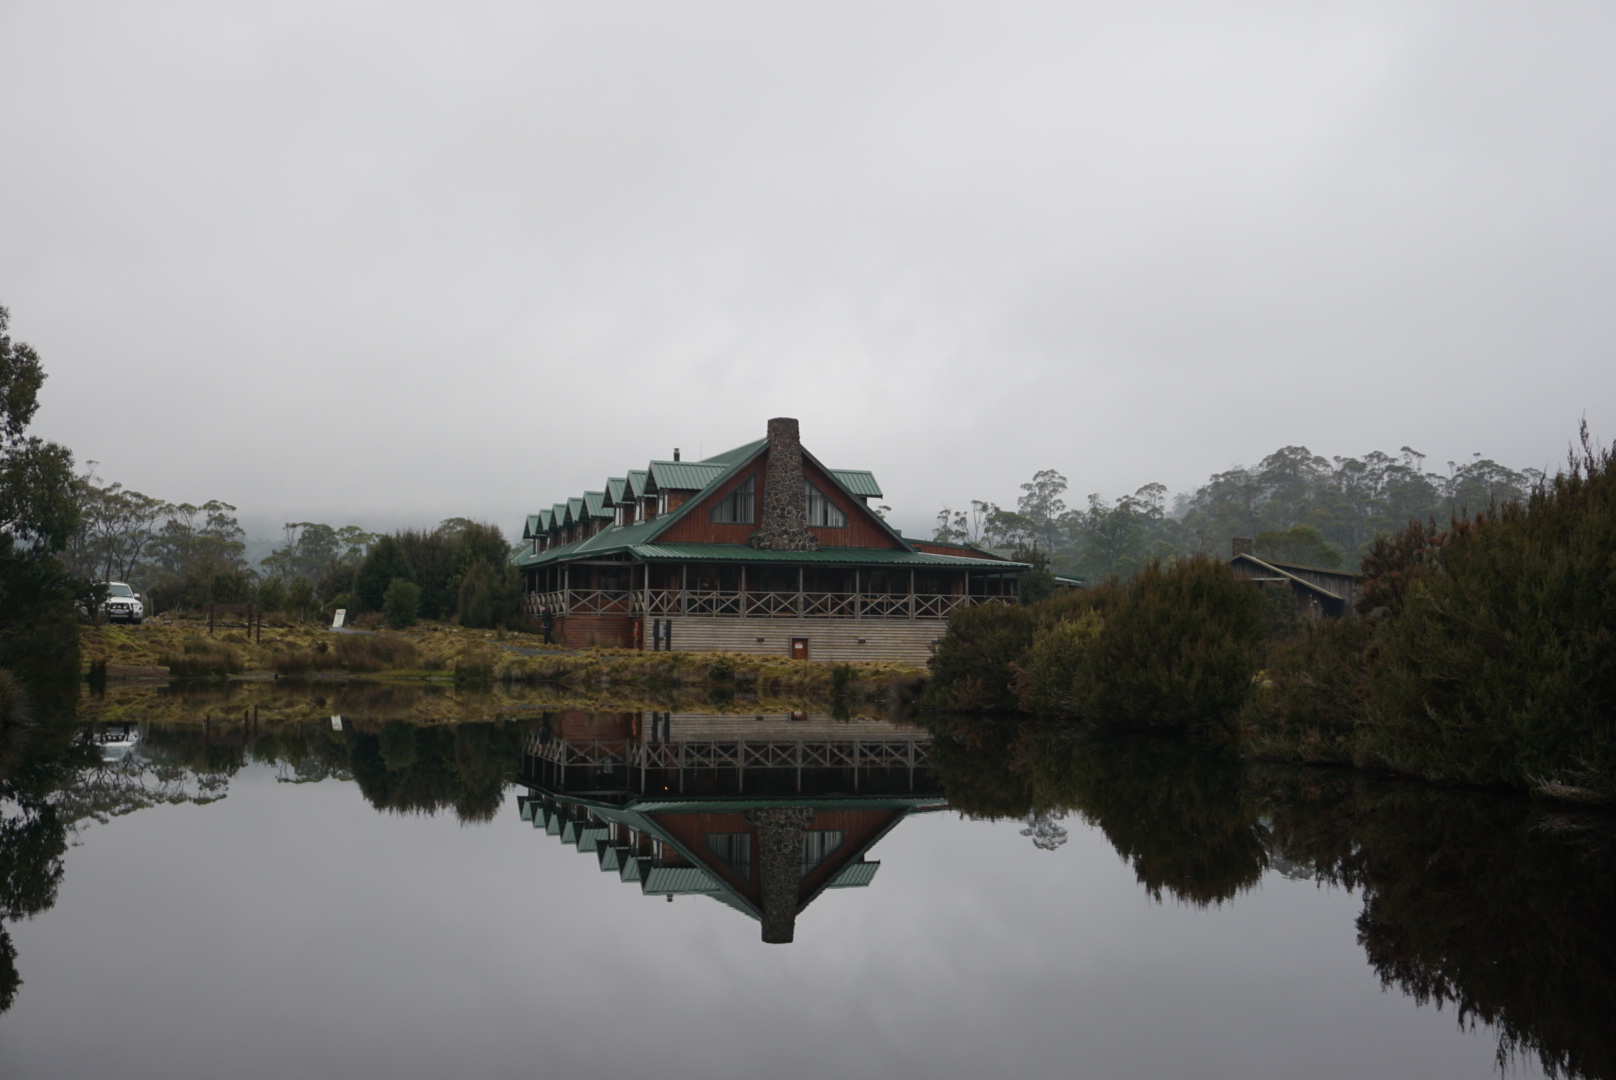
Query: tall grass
{"type": "Point", "coordinates": [200, 659]}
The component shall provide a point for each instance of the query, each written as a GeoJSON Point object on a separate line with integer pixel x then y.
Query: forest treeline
{"type": "Point", "coordinates": [1484, 651]}
{"type": "Point", "coordinates": [1299, 506]}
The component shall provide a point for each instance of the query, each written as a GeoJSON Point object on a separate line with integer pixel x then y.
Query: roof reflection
{"type": "Point", "coordinates": [761, 813]}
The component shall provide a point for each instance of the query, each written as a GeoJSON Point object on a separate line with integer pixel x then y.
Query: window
{"type": "Point", "coordinates": [821, 511]}
{"type": "Point", "coordinates": [739, 507]}
{"type": "Point", "coordinates": [816, 844]}
{"type": "Point", "coordinates": [734, 850]}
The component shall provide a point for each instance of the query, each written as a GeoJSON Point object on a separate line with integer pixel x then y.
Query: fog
{"type": "Point", "coordinates": [388, 263]}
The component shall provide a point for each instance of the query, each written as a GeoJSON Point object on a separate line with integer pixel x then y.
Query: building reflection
{"type": "Point", "coordinates": [760, 813]}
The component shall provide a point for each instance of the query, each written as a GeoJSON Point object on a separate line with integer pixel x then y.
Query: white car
{"type": "Point", "coordinates": [122, 604]}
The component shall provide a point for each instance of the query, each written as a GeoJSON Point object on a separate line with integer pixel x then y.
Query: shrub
{"type": "Point", "coordinates": [1175, 645]}
{"type": "Point", "coordinates": [400, 603]}
{"type": "Point", "coordinates": [1501, 665]}
{"type": "Point", "coordinates": [300, 598]}
{"type": "Point", "coordinates": [970, 664]}
{"type": "Point", "coordinates": [271, 595]}
{"type": "Point", "coordinates": [475, 603]}
{"type": "Point", "coordinates": [385, 562]}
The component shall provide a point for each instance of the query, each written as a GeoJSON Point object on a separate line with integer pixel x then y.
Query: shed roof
{"type": "Point", "coordinates": [684, 475]}
{"type": "Point", "coordinates": [1285, 574]}
{"type": "Point", "coordinates": [860, 482]}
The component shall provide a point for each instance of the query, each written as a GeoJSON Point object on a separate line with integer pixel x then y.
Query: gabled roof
{"type": "Point", "coordinates": [558, 516]}
{"type": "Point", "coordinates": [740, 453]}
{"type": "Point", "coordinates": [546, 519]}
{"type": "Point", "coordinates": [636, 483]}
{"type": "Point", "coordinates": [684, 475]}
{"type": "Point", "coordinates": [1279, 574]}
{"type": "Point", "coordinates": [860, 482]}
{"type": "Point", "coordinates": [531, 529]}
{"type": "Point", "coordinates": [575, 510]}
{"type": "Point", "coordinates": [595, 504]}
{"type": "Point", "coordinates": [615, 488]}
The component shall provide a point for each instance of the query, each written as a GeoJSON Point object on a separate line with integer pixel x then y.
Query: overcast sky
{"type": "Point", "coordinates": [387, 263]}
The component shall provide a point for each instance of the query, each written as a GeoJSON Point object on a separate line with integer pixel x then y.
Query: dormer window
{"type": "Point", "coordinates": [739, 507]}
{"type": "Point", "coordinates": [821, 511]}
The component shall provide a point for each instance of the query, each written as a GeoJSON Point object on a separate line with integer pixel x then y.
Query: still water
{"type": "Point", "coordinates": [276, 882]}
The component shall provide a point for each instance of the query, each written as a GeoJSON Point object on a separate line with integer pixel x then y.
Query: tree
{"type": "Point", "coordinates": [385, 562]}
{"type": "Point", "coordinates": [38, 516]}
{"type": "Point", "coordinates": [400, 603]}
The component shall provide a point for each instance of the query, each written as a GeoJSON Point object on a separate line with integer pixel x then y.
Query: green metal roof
{"type": "Point", "coordinates": [531, 529]}
{"type": "Point", "coordinates": [575, 510]}
{"type": "Point", "coordinates": [595, 504]}
{"type": "Point", "coordinates": [558, 516]}
{"type": "Point", "coordinates": [615, 487]}
{"type": "Point", "coordinates": [678, 879]}
{"type": "Point", "coordinates": [853, 875]}
{"type": "Point", "coordinates": [860, 482]}
{"type": "Point", "coordinates": [684, 475]}
{"type": "Point", "coordinates": [740, 453]}
{"type": "Point", "coordinates": [636, 483]}
{"type": "Point", "coordinates": [825, 556]}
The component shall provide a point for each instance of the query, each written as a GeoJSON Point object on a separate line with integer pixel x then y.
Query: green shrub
{"type": "Point", "coordinates": [1501, 665]}
{"type": "Point", "coordinates": [300, 598]}
{"type": "Point", "coordinates": [400, 603]}
{"type": "Point", "coordinates": [970, 664]}
{"type": "Point", "coordinates": [1309, 702]}
{"type": "Point", "coordinates": [475, 604]}
{"type": "Point", "coordinates": [271, 595]}
{"type": "Point", "coordinates": [1176, 645]}
{"type": "Point", "coordinates": [385, 562]}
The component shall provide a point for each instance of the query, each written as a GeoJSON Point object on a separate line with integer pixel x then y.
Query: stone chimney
{"type": "Point", "coordinates": [779, 839]}
{"type": "Point", "coordinates": [783, 524]}
{"type": "Point", "coordinates": [1242, 546]}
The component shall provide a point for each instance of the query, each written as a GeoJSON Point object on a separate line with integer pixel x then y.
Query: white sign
{"type": "Point", "coordinates": [336, 723]}
{"type": "Point", "coordinates": [338, 619]}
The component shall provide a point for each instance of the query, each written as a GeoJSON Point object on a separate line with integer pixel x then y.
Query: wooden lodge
{"type": "Point", "coordinates": [759, 549]}
{"type": "Point", "coordinates": [762, 814]}
{"type": "Point", "coordinates": [1320, 593]}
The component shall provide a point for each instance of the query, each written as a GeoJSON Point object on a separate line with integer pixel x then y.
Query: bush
{"type": "Point", "coordinates": [970, 664]}
{"type": "Point", "coordinates": [1175, 645]}
{"type": "Point", "coordinates": [475, 606]}
{"type": "Point", "coordinates": [385, 562]}
{"type": "Point", "coordinates": [400, 603]}
{"type": "Point", "coordinates": [1501, 665]}
{"type": "Point", "coordinates": [300, 598]}
{"type": "Point", "coordinates": [271, 595]}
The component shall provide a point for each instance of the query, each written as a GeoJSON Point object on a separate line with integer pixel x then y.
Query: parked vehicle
{"type": "Point", "coordinates": [122, 604]}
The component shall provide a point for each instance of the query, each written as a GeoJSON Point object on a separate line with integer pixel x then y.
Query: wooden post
{"type": "Point", "coordinates": [566, 589]}
{"type": "Point", "coordinates": [799, 591]}
{"type": "Point", "coordinates": [858, 596]}
{"type": "Point", "coordinates": [684, 587]}
{"type": "Point", "coordinates": [743, 592]}
{"type": "Point", "coordinates": [911, 595]}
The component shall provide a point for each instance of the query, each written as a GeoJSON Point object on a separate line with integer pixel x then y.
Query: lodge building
{"type": "Point", "coordinates": [760, 549]}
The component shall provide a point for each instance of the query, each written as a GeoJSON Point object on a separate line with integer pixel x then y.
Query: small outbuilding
{"type": "Point", "coordinates": [1320, 592]}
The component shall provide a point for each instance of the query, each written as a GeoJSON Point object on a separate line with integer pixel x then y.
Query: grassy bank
{"type": "Point", "coordinates": [451, 654]}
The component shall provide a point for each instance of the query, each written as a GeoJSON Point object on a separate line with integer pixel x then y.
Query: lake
{"type": "Point", "coordinates": [361, 880]}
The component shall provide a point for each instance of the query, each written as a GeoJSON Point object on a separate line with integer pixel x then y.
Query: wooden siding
{"type": "Point", "coordinates": [858, 828]}
{"type": "Point", "coordinates": [863, 529]}
{"type": "Point", "coordinates": [609, 631]}
{"type": "Point", "coordinates": [837, 640]}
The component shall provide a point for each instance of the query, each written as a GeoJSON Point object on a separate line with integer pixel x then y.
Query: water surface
{"type": "Point", "coordinates": [378, 894]}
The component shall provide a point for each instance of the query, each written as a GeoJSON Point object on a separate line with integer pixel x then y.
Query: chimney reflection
{"type": "Point", "coordinates": [761, 813]}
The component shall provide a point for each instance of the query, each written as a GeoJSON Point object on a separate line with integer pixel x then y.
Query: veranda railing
{"type": "Point", "coordinates": [665, 603]}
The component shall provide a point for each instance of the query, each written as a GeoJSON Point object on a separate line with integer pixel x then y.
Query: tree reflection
{"type": "Point", "coordinates": [1178, 812]}
{"type": "Point", "coordinates": [1499, 907]}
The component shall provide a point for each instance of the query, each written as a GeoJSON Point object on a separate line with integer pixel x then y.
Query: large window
{"type": "Point", "coordinates": [816, 844]}
{"type": "Point", "coordinates": [821, 511]}
{"type": "Point", "coordinates": [734, 850]}
{"type": "Point", "coordinates": [739, 507]}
